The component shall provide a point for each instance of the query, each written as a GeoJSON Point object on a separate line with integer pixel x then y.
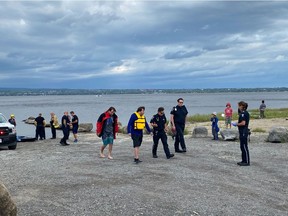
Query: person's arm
{"type": "Point", "coordinates": [130, 123]}
{"type": "Point", "coordinates": [152, 122]}
{"type": "Point", "coordinates": [172, 120]}
{"type": "Point", "coordinates": [147, 127]}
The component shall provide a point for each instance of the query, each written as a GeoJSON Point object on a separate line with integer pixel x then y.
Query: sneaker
{"type": "Point", "coordinates": [170, 156]}
{"type": "Point", "coordinates": [243, 164]}
{"type": "Point", "coordinates": [179, 151]}
{"type": "Point", "coordinates": [155, 156]}
{"type": "Point", "coordinates": [76, 140]}
{"type": "Point", "coordinates": [137, 161]}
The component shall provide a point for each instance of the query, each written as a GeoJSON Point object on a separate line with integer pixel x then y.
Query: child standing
{"type": "Point", "coordinates": [215, 128]}
{"type": "Point", "coordinates": [228, 115]}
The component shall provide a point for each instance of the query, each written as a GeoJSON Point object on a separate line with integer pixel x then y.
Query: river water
{"type": "Point", "coordinates": [89, 107]}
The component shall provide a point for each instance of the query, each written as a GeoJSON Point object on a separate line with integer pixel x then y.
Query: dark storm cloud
{"type": "Point", "coordinates": [163, 44]}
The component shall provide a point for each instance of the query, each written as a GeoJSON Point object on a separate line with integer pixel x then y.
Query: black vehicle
{"type": "Point", "coordinates": [8, 136]}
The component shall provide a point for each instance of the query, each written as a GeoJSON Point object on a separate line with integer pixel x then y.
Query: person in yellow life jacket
{"type": "Point", "coordinates": [136, 125]}
{"type": "Point", "coordinates": [53, 124]}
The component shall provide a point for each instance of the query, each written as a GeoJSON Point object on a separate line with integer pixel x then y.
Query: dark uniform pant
{"type": "Point", "coordinates": [40, 132]}
{"type": "Point", "coordinates": [53, 131]}
{"type": "Point", "coordinates": [160, 135]}
{"type": "Point", "coordinates": [244, 146]}
{"type": "Point", "coordinates": [65, 135]}
{"type": "Point", "coordinates": [179, 137]}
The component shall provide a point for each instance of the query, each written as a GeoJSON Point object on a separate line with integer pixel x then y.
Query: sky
{"type": "Point", "coordinates": [143, 44]}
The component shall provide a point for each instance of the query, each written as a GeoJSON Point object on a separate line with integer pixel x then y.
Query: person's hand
{"type": "Point", "coordinates": [234, 124]}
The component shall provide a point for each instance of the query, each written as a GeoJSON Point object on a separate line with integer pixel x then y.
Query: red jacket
{"type": "Point", "coordinates": [101, 121]}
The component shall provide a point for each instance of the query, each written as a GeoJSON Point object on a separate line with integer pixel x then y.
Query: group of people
{"type": "Point", "coordinates": [107, 128]}
{"type": "Point", "coordinates": [242, 124]}
{"type": "Point", "coordinates": [68, 123]}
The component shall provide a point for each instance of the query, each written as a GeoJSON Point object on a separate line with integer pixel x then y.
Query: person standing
{"type": "Point", "coordinates": [136, 125]}
{"type": "Point", "coordinates": [215, 128]}
{"type": "Point", "coordinates": [107, 127]}
{"type": "Point", "coordinates": [262, 109]}
{"type": "Point", "coordinates": [160, 127]}
{"type": "Point", "coordinates": [53, 124]}
{"type": "Point", "coordinates": [75, 125]}
{"type": "Point", "coordinates": [12, 120]}
{"type": "Point", "coordinates": [65, 125]}
{"type": "Point", "coordinates": [243, 123]}
{"type": "Point", "coordinates": [40, 127]}
{"type": "Point", "coordinates": [178, 120]}
{"type": "Point", "coordinates": [228, 115]}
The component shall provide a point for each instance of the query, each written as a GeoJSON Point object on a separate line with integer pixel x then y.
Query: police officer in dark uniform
{"type": "Point", "coordinates": [40, 127]}
{"type": "Point", "coordinates": [159, 124]}
{"type": "Point", "coordinates": [243, 123]}
{"type": "Point", "coordinates": [178, 120]}
{"type": "Point", "coordinates": [65, 125]}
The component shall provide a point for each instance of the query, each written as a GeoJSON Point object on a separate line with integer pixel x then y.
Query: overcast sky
{"type": "Point", "coordinates": [143, 44]}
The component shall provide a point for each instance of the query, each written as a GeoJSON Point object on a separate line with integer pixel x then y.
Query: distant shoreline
{"type": "Point", "coordinates": [99, 92]}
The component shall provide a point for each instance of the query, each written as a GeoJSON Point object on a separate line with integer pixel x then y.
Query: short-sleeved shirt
{"type": "Point", "coordinates": [40, 121]}
{"type": "Point", "coordinates": [244, 116]}
{"type": "Point", "coordinates": [160, 121]}
{"type": "Point", "coordinates": [65, 118]}
{"type": "Point", "coordinates": [74, 118]}
{"type": "Point", "coordinates": [180, 113]}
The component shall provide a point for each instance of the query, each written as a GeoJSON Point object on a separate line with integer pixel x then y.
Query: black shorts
{"type": "Point", "coordinates": [137, 140]}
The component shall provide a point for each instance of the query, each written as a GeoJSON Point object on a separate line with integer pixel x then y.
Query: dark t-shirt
{"type": "Point", "coordinates": [65, 118]}
{"type": "Point", "coordinates": [74, 118]}
{"type": "Point", "coordinates": [39, 120]}
{"type": "Point", "coordinates": [180, 113]}
{"type": "Point", "coordinates": [160, 121]}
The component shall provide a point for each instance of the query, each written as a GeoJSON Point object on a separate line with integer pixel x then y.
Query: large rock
{"type": "Point", "coordinates": [229, 134]}
{"type": "Point", "coordinates": [85, 127]}
{"type": "Point", "coordinates": [29, 120]}
{"type": "Point", "coordinates": [7, 205]}
{"type": "Point", "coordinates": [200, 132]}
{"type": "Point", "coordinates": [278, 135]}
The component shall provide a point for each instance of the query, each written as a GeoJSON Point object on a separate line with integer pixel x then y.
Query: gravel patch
{"type": "Point", "coordinates": [45, 178]}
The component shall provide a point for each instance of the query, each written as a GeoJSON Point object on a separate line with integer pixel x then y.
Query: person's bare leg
{"type": "Point", "coordinates": [102, 151]}
{"type": "Point", "coordinates": [136, 152]}
{"type": "Point", "coordinates": [110, 151]}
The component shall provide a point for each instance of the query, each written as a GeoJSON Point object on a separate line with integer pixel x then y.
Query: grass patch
{"type": "Point", "coordinates": [254, 114]}
{"type": "Point", "coordinates": [199, 118]}
{"type": "Point", "coordinates": [259, 130]}
{"type": "Point", "coordinates": [270, 113]}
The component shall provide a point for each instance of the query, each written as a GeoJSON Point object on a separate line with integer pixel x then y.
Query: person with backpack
{"type": "Point", "coordinates": [107, 127]}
